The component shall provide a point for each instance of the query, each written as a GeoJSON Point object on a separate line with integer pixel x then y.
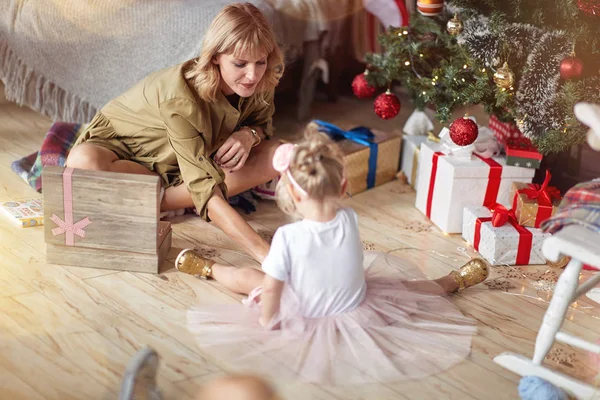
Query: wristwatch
{"type": "Point", "coordinates": [257, 138]}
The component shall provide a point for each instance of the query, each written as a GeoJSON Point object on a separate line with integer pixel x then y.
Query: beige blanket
{"type": "Point", "coordinates": [67, 58]}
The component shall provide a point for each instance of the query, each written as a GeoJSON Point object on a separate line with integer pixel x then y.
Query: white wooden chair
{"type": "Point", "coordinates": [583, 245]}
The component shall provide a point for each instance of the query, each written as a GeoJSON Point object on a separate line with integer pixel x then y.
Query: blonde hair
{"type": "Point", "coordinates": [237, 29]}
{"type": "Point", "coordinates": [317, 166]}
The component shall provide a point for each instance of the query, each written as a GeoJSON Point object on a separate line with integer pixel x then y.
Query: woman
{"type": "Point", "coordinates": [200, 125]}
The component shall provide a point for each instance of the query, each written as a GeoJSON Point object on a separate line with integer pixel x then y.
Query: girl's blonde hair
{"type": "Point", "coordinates": [317, 166]}
{"type": "Point", "coordinates": [238, 29]}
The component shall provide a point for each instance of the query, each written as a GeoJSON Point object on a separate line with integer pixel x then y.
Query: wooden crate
{"type": "Point", "coordinates": [113, 223]}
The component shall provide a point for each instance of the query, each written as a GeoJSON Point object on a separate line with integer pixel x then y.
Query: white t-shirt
{"type": "Point", "coordinates": [322, 262]}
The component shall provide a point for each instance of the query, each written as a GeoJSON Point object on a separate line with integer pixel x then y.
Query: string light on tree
{"type": "Point", "coordinates": [454, 26]}
{"type": "Point", "coordinates": [521, 123]}
{"type": "Point", "coordinates": [361, 88]}
{"type": "Point", "coordinates": [504, 77]}
{"type": "Point", "coordinates": [387, 105]}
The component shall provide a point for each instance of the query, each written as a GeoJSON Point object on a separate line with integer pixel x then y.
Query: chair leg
{"type": "Point", "coordinates": [554, 317]}
{"type": "Point", "coordinates": [139, 380]}
{"type": "Point", "coordinates": [587, 286]}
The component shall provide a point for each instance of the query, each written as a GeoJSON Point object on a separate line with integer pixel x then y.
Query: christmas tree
{"type": "Point", "coordinates": [525, 61]}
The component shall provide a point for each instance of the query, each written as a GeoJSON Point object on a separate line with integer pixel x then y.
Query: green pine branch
{"type": "Point", "coordinates": [439, 73]}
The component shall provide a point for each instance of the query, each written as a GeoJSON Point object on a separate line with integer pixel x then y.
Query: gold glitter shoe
{"type": "Point", "coordinates": [190, 262]}
{"type": "Point", "coordinates": [470, 274]}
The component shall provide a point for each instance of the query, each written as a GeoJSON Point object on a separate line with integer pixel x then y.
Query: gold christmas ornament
{"type": "Point", "coordinates": [454, 26]}
{"type": "Point", "coordinates": [504, 77]}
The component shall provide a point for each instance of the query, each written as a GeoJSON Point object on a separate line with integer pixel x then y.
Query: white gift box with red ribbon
{"type": "Point", "coordinates": [451, 177]}
{"type": "Point", "coordinates": [505, 244]}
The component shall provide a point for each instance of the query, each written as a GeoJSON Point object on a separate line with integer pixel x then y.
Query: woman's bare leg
{"type": "Point", "coordinates": [240, 280]}
{"type": "Point", "coordinates": [258, 169]}
{"type": "Point", "coordinates": [98, 158]}
{"type": "Point", "coordinates": [176, 197]}
{"type": "Point", "coordinates": [236, 227]}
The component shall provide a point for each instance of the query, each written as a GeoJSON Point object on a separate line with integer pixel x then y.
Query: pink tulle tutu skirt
{"type": "Point", "coordinates": [394, 335]}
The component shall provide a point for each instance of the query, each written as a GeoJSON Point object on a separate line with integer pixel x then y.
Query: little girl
{"type": "Point", "coordinates": [313, 312]}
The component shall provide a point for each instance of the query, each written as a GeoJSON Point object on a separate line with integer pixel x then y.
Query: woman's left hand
{"type": "Point", "coordinates": [232, 155]}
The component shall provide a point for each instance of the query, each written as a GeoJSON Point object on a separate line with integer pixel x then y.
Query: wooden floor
{"type": "Point", "coordinates": [67, 332]}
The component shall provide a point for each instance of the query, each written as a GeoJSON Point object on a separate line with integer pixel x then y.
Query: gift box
{"type": "Point", "coordinates": [371, 157]}
{"type": "Point", "coordinates": [409, 161]}
{"type": "Point", "coordinates": [449, 182]}
{"type": "Point", "coordinates": [507, 243]}
{"type": "Point", "coordinates": [504, 130]}
{"type": "Point", "coordinates": [520, 152]}
{"type": "Point", "coordinates": [533, 204]}
{"type": "Point", "coordinates": [103, 219]}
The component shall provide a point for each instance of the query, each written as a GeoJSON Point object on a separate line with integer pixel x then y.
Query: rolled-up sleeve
{"type": "Point", "coordinates": [198, 171]}
{"type": "Point", "coordinates": [263, 115]}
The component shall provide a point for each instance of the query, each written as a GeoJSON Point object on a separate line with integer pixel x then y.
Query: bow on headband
{"type": "Point", "coordinates": [281, 163]}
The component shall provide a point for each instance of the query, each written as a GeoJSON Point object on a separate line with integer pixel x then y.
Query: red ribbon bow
{"type": "Point", "coordinates": [544, 196]}
{"type": "Point", "coordinates": [501, 215]}
{"type": "Point", "coordinates": [543, 193]}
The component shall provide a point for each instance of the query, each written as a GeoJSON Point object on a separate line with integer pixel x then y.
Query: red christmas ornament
{"type": "Point", "coordinates": [589, 7]}
{"type": "Point", "coordinates": [464, 131]}
{"type": "Point", "coordinates": [387, 105]}
{"type": "Point", "coordinates": [571, 67]}
{"type": "Point", "coordinates": [361, 88]}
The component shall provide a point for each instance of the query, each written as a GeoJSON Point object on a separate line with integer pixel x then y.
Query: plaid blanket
{"type": "Point", "coordinates": [54, 151]}
{"type": "Point", "coordinates": [581, 205]}
{"type": "Point", "coordinates": [56, 147]}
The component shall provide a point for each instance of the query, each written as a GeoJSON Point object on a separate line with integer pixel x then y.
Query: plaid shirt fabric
{"type": "Point", "coordinates": [580, 205]}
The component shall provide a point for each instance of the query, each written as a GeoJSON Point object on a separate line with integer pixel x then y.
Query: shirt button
{"type": "Point", "coordinates": [200, 158]}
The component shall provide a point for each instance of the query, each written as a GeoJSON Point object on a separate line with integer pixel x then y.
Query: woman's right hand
{"type": "Point", "coordinates": [232, 155]}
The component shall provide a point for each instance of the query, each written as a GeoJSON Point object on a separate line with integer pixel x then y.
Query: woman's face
{"type": "Point", "coordinates": [241, 75]}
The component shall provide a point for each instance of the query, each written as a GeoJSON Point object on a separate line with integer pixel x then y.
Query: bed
{"type": "Point", "coordinates": [67, 58]}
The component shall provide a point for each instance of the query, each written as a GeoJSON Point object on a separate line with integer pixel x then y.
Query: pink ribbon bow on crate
{"type": "Point", "coordinates": [67, 226]}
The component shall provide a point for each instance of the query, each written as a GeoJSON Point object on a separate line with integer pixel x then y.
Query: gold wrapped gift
{"type": "Point", "coordinates": [358, 158]}
{"type": "Point", "coordinates": [533, 204]}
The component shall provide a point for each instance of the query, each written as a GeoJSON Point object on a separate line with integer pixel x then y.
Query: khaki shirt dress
{"type": "Point", "coordinates": [162, 124]}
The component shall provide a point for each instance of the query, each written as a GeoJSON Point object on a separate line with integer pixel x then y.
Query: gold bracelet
{"type": "Point", "coordinates": [257, 138]}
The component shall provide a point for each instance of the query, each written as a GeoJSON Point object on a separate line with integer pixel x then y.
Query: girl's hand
{"type": "Point", "coordinates": [232, 155]}
{"type": "Point", "coordinates": [265, 324]}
